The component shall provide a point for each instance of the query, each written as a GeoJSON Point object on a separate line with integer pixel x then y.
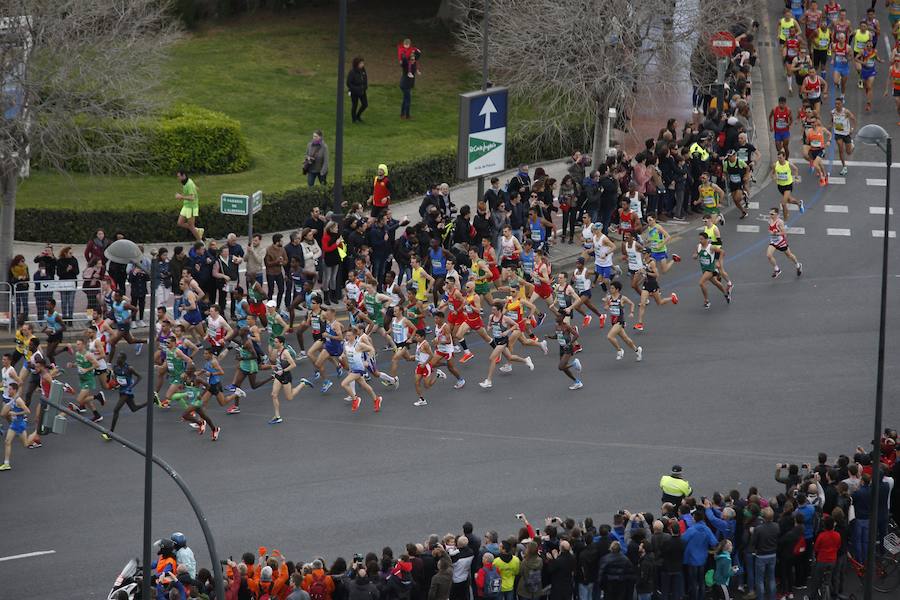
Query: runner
{"type": "Point", "coordinates": [126, 378]}
{"type": "Point", "coordinates": [213, 372]}
{"type": "Point", "coordinates": [217, 332]}
{"type": "Point", "coordinates": [785, 25]}
{"type": "Point", "coordinates": [86, 364]}
{"type": "Point", "coordinates": [614, 304]}
{"type": "Point", "coordinates": [710, 197]}
{"type": "Point", "coordinates": [778, 241]}
{"type": "Point", "coordinates": [354, 351]}
{"type": "Point", "coordinates": [501, 327]}
{"type": "Point", "coordinates": [843, 122]}
{"type": "Point", "coordinates": [780, 120]}
{"type": "Point", "coordinates": [402, 330]}
{"type": "Point", "coordinates": [121, 312]}
{"type": "Point", "coordinates": [565, 297]}
{"type": "Point", "coordinates": [707, 255]}
{"type": "Point", "coordinates": [812, 19]}
{"type": "Point", "coordinates": [16, 411]}
{"type": "Point", "coordinates": [790, 50]}
{"type": "Point", "coordinates": [657, 241]}
{"type": "Point", "coordinates": [840, 62]}
{"type": "Point", "coordinates": [628, 220]}
{"type": "Point", "coordinates": [892, 85]}
{"type": "Point", "coordinates": [631, 254]}
{"type": "Point", "coordinates": [650, 289]}
{"type": "Point", "coordinates": [282, 365]}
{"type": "Point", "coordinates": [249, 357]}
{"type": "Point", "coordinates": [189, 396]}
{"type": "Point", "coordinates": [861, 39]}
{"type": "Point", "coordinates": [715, 238]}
{"type": "Point", "coordinates": [425, 376]}
{"type": "Point", "coordinates": [176, 362]}
{"type": "Point", "coordinates": [510, 248]}
{"type": "Point", "coordinates": [817, 140]}
{"type": "Point", "coordinates": [191, 316]}
{"type": "Point", "coordinates": [190, 209]}
{"type": "Point", "coordinates": [821, 43]}
{"type": "Point", "coordinates": [783, 172]}
{"type": "Point", "coordinates": [471, 311]}
{"type": "Point", "coordinates": [873, 24]}
{"type": "Point", "coordinates": [832, 11]}
{"type": "Point", "coordinates": [443, 341]}
{"type": "Point", "coordinates": [581, 281]}
{"type": "Point", "coordinates": [737, 174]}
{"type": "Point", "coordinates": [8, 376]}
{"type": "Point", "coordinates": [55, 328]}
{"type": "Point", "coordinates": [566, 336]}
{"type": "Point", "coordinates": [893, 7]}
{"type": "Point", "coordinates": [813, 89]}
{"type": "Point", "coordinates": [333, 349]}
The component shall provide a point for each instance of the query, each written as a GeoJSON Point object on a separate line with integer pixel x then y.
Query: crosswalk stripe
{"type": "Point", "coordinates": [835, 231]}
{"type": "Point", "coordinates": [878, 210]}
{"type": "Point", "coordinates": [793, 207]}
{"type": "Point", "coordinates": [836, 180]}
{"type": "Point", "coordinates": [796, 230]}
{"type": "Point", "coordinates": [879, 233]}
{"type": "Point", "coordinates": [850, 163]}
{"type": "Point", "coordinates": [876, 182]}
{"type": "Point", "coordinates": [748, 228]}
{"type": "Point", "coordinates": [836, 208]}
{"type": "Point", "coordinates": [753, 205]}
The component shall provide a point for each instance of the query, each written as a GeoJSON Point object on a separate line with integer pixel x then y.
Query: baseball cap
{"type": "Point", "coordinates": [271, 304]}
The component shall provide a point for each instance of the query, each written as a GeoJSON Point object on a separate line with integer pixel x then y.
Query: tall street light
{"type": "Point", "coordinates": [127, 252]}
{"type": "Point", "coordinates": [875, 135]}
{"type": "Point", "coordinates": [338, 187]}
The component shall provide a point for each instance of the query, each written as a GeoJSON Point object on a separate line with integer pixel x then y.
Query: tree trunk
{"type": "Point", "coordinates": [450, 12]}
{"type": "Point", "coordinates": [601, 136]}
{"type": "Point", "coordinates": [9, 181]}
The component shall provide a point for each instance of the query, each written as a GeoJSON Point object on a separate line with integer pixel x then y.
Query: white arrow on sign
{"type": "Point", "coordinates": [486, 111]}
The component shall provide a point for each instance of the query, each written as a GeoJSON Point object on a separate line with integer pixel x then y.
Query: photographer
{"type": "Point", "coordinates": [793, 476]}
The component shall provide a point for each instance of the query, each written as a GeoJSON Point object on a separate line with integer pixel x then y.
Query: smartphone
{"type": "Point", "coordinates": [520, 516]}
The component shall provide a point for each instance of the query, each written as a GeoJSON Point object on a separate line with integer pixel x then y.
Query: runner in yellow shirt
{"type": "Point", "coordinates": [190, 209]}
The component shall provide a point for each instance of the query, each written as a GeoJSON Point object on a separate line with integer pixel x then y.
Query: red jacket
{"type": "Point", "coordinates": [826, 546]}
{"type": "Point", "coordinates": [479, 579]}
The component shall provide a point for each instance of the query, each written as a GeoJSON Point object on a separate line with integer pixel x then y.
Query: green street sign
{"type": "Point", "coordinates": [236, 204]}
{"type": "Point", "coordinates": [256, 200]}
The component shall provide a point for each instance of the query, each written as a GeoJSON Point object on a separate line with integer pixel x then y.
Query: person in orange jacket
{"type": "Point", "coordinates": [318, 584]}
{"type": "Point", "coordinates": [270, 576]}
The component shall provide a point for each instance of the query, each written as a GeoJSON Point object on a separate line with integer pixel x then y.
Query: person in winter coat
{"type": "Point", "coordinates": [531, 581]}
{"type": "Point", "coordinates": [362, 588]}
{"type": "Point", "coordinates": [95, 247]}
{"type": "Point", "coordinates": [723, 571]}
{"type": "Point", "coordinates": [560, 570]}
{"type": "Point", "coordinates": [318, 584]}
{"type": "Point", "coordinates": [407, 82]}
{"type": "Point", "coordinates": [646, 571]}
{"type": "Point", "coordinates": [315, 165]}
{"type": "Point", "coordinates": [698, 541]}
{"type": "Point", "coordinates": [442, 581]}
{"type": "Point", "coordinates": [358, 83]}
{"type": "Point", "coordinates": [616, 574]}
{"type": "Point", "coordinates": [487, 573]}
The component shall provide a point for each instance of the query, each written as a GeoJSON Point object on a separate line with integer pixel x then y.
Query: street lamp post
{"type": "Point", "coordinates": [875, 135]}
{"type": "Point", "coordinates": [127, 252]}
{"type": "Point", "coordinates": [338, 187]}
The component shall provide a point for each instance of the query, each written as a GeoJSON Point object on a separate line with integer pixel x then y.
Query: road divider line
{"type": "Point", "coordinates": [879, 233]}
{"type": "Point", "coordinates": [837, 180]}
{"type": "Point", "coordinates": [850, 163]}
{"type": "Point", "coordinates": [753, 205]}
{"type": "Point", "coordinates": [26, 555]}
{"type": "Point", "coordinates": [748, 228]}
{"type": "Point", "coordinates": [836, 208]}
{"type": "Point", "coordinates": [836, 231]}
{"type": "Point", "coordinates": [876, 182]}
{"type": "Point", "coordinates": [796, 230]}
{"type": "Point", "coordinates": [878, 210]}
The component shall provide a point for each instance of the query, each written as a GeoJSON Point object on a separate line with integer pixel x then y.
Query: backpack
{"type": "Point", "coordinates": [317, 589]}
{"type": "Point", "coordinates": [533, 581]}
{"type": "Point", "coordinates": [492, 583]}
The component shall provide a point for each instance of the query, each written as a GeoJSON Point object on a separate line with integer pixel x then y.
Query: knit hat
{"type": "Point", "coordinates": [266, 574]}
{"type": "Point", "coordinates": [676, 469]}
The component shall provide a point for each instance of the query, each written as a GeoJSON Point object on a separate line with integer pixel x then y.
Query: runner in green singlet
{"type": "Point", "coordinates": [191, 398]}
{"type": "Point", "coordinates": [86, 363]}
{"type": "Point", "coordinates": [706, 254]}
{"type": "Point", "coordinates": [176, 362]}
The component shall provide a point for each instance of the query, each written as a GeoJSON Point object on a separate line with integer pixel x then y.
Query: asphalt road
{"type": "Point", "coordinates": [785, 371]}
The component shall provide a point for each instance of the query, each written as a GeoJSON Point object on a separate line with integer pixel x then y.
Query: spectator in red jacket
{"type": "Point", "coordinates": [488, 567]}
{"type": "Point", "coordinates": [95, 247]}
{"type": "Point", "coordinates": [826, 547]}
{"type": "Point", "coordinates": [405, 49]}
{"type": "Point", "coordinates": [318, 584]}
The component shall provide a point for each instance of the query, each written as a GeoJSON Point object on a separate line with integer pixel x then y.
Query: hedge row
{"type": "Point", "coordinates": [200, 140]}
{"type": "Point", "coordinates": [281, 210]}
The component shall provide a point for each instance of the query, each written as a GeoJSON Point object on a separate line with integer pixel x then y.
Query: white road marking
{"type": "Point", "coordinates": [876, 182]}
{"type": "Point", "coordinates": [836, 180]}
{"type": "Point", "coordinates": [850, 163]}
{"type": "Point", "coordinates": [793, 207]}
{"type": "Point", "coordinates": [748, 228]}
{"type": "Point", "coordinates": [836, 208]}
{"type": "Point", "coordinates": [26, 555]}
{"type": "Point", "coordinates": [835, 231]}
{"type": "Point", "coordinates": [753, 205]}
{"type": "Point", "coordinates": [796, 230]}
{"type": "Point", "coordinates": [879, 233]}
{"type": "Point", "coordinates": [878, 210]}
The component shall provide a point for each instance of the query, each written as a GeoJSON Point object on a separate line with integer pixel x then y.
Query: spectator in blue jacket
{"type": "Point", "coordinates": [722, 520]}
{"type": "Point", "coordinates": [698, 541]}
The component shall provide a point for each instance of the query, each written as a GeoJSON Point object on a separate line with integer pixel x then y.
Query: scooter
{"type": "Point", "coordinates": [128, 584]}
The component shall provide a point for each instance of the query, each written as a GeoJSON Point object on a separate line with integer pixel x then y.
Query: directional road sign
{"type": "Point", "coordinates": [482, 132]}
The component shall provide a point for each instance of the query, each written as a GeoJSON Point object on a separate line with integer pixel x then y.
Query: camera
{"type": "Point", "coordinates": [357, 558]}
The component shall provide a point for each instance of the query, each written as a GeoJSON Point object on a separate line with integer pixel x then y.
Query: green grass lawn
{"type": "Point", "coordinates": [276, 74]}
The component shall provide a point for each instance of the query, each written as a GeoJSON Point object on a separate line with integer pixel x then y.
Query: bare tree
{"type": "Point", "coordinates": [77, 78]}
{"type": "Point", "coordinates": [571, 61]}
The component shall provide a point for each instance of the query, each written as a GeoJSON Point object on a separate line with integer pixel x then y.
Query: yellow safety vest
{"type": "Point", "coordinates": [673, 486]}
{"type": "Point", "coordinates": [698, 149]}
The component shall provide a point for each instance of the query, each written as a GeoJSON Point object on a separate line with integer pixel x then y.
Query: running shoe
{"type": "Point", "coordinates": [137, 351]}
{"type": "Point", "coordinates": [165, 404]}
{"type": "Point", "coordinates": [367, 376]}
{"type": "Point", "coordinates": [576, 348]}
{"type": "Point", "coordinates": [378, 400]}
{"type": "Point", "coordinates": [240, 393]}
{"type": "Point", "coordinates": [105, 437]}
{"type": "Point", "coordinates": [602, 320]}
{"type": "Point", "coordinates": [799, 269]}
{"type": "Point", "coordinates": [306, 382]}
{"type": "Point", "coordinates": [68, 389]}
{"type": "Point", "coordinates": [201, 231]}
{"type": "Point", "coordinates": [859, 84]}
{"type": "Point", "coordinates": [674, 297]}
{"type": "Point", "coordinates": [421, 402]}
{"type": "Point", "coordinates": [639, 354]}
{"type": "Point", "coordinates": [348, 398]}
{"type": "Point", "coordinates": [638, 326]}
{"type": "Point", "coordinates": [201, 428]}
{"type": "Point", "coordinates": [728, 298]}
{"type": "Point", "coordinates": [721, 219]}
{"type": "Point", "coordinates": [540, 319]}
{"type": "Point", "coordinates": [340, 371]}
{"type": "Point", "coordinates": [466, 357]}
{"type": "Point", "coordinates": [316, 376]}
{"type": "Point", "coordinates": [776, 273]}
{"type": "Point", "coordinates": [326, 386]}
{"type": "Point", "coordinates": [587, 320]}
{"type": "Point", "coordinates": [234, 409]}
{"type": "Point", "coordinates": [706, 305]}
{"type": "Point", "coordinates": [97, 418]}
{"type": "Point", "coordinates": [385, 382]}
{"type": "Point", "coordinates": [486, 384]}
{"type": "Point", "coordinates": [730, 286]}
{"type": "Point", "coordinates": [194, 426]}
{"type": "Point", "coordinates": [529, 363]}
{"type": "Point", "coordinates": [275, 420]}
{"type": "Point", "coordinates": [577, 385]}
{"type": "Point", "coordinates": [743, 215]}
{"type": "Point", "coordinates": [457, 348]}
{"type": "Point", "coordinates": [459, 384]}
{"type": "Point", "coordinates": [507, 368]}
{"type": "Point", "coordinates": [75, 408]}
{"type": "Point", "coordinates": [844, 170]}
{"type": "Point", "coordinates": [802, 206]}
{"type": "Point", "coordinates": [544, 347]}
{"type": "Point", "coordinates": [617, 269]}
{"type": "Point", "coordinates": [215, 433]}
{"type": "Point", "coordinates": [533, 320]}
{"type": "Point", "coordinates": [35, 444]}
{"type": "Point", "coordinates": [101, 398]}
{"type": "Point", "coordinates": [676, 258]}
{"type": "Point", "coordinates": [822, 183]}
{"type": "Point", "coordinates": [230, 387]}
{"type": "Point", "coordinates": [576, 364]}
{"type": "Point", "coordinates": [5, 467]}
{"type": "Point", "coordinates": [354, 406]}
{"type": "Point", "coordinates": [301, 355]}
{"type": "Point", "coordinates": [620, 353]}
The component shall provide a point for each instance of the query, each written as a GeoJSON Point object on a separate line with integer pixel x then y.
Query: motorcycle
{"type": "Point", "coordinates": [128, 584]}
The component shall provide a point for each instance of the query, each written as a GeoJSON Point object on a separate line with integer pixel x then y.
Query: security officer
{"type": "Point", "coordinates": [674, 487]}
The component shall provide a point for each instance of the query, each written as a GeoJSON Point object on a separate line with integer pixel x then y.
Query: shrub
{"type": "Point", "coordinates": [281, 210]}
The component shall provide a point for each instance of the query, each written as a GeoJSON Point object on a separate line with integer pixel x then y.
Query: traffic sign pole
{"type": "Point", "coordinates": [484, 77]}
